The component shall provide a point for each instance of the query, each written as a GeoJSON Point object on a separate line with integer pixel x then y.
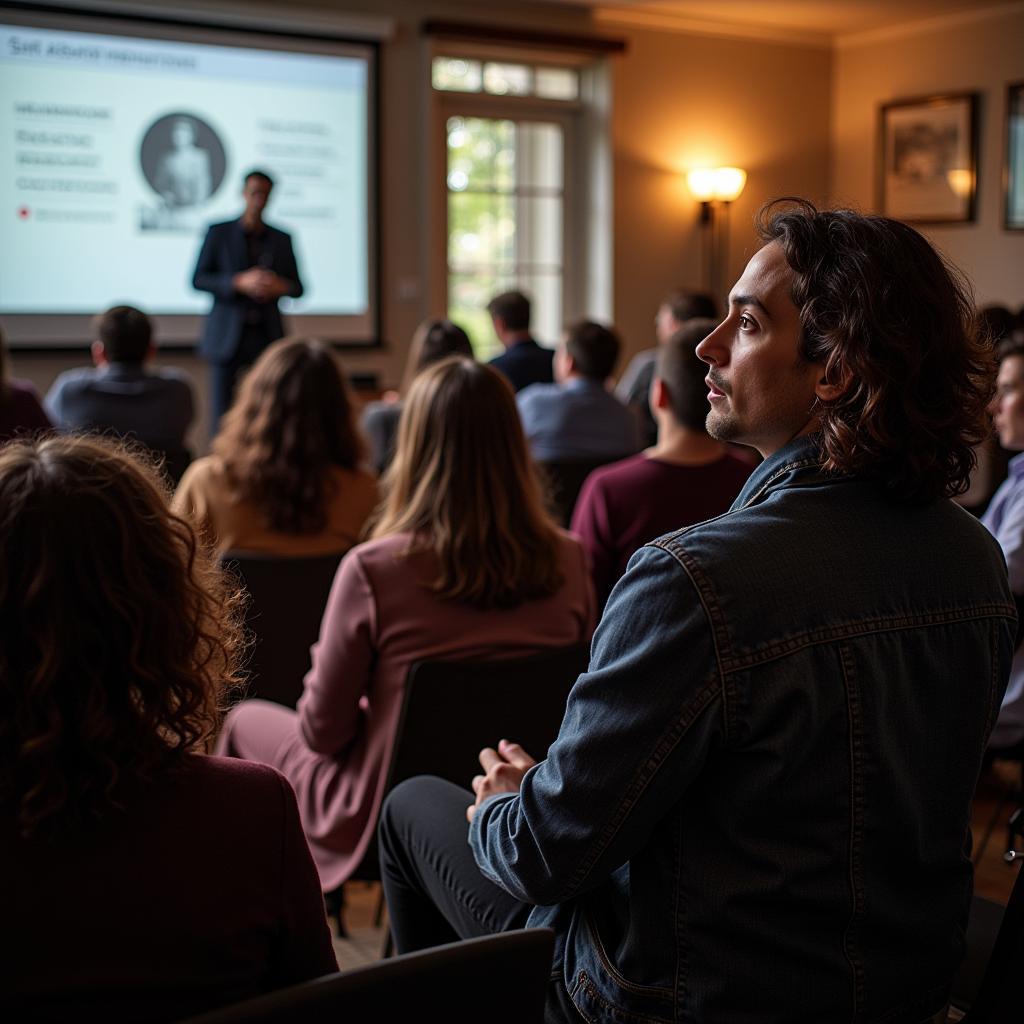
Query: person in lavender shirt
{"type": "Point", "coordinates": [1004, 519]}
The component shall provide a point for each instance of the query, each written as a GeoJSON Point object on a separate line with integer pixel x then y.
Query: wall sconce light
{"type": "Point", "coordinates": [715, 188]}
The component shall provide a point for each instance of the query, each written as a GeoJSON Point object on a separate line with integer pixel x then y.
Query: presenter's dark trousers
{"type": "Point", "coordinates": [224, 376]}
{"type": "Point", "coordinates": [435, 892]}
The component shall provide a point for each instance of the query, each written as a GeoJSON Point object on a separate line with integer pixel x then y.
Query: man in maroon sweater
{"type": "Point", "coordinates": [685, 478]}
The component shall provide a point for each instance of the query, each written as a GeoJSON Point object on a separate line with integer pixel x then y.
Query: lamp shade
{"type": "Point", "coordinates": [723, 184]}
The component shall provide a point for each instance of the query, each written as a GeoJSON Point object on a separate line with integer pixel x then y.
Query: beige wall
{"type": "Point", "coordinates": [686, 100]}
{"type": "Point", "coordinates": [982, 55]}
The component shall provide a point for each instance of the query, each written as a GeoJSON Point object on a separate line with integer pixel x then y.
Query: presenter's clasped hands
{"type": "Point", "coordinates": [260, 284]}
{"type": "Point", "coordinates": [504, 770]}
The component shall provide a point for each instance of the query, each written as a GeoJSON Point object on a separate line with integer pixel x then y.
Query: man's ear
{"type": "Point", "coordinates": [99, 355]}
{"type": "Point", "coordinates": [658, 395]}
{"type": "Point", "coordinates": [827, 391]}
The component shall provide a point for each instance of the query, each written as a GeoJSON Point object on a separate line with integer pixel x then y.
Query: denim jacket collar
{"type": "Point", "coordinates": [799, 458]}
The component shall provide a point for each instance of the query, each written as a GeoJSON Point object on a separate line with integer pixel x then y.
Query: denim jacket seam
{"type": "Point", "coordinates": [715, 618]}
{"type": "Point", "coordinates": [670, 739]}
{"type": "Point", "coordinates": [595, 994]}
{"type": "Point", "coordinates": [784, 470]}
{"type": "Point", "coordinates": [864, 627]}
{"type": "Point", "coordinates": [855, 718]}
{"type": "Point", "coordinates": [993, 682]}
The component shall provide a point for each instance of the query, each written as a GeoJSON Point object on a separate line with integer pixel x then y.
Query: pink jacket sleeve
{"type": "Point", "coordinates": [330, 715]}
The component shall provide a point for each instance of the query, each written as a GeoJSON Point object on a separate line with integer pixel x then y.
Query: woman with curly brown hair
{"type": "Point", "coordinates": [284, 476]}
{"type": "Point", "coordinates": [177, 881]}
{"type": "Point", "coordinates": [464, 563]}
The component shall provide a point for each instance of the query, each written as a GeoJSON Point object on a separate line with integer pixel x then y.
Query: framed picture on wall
{"type": "Point", "coordinates": [929, 159]}
{"type": "Point", "coordinates": [1013, 171]}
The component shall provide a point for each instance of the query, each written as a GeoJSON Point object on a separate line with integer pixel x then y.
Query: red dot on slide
{"type": "Point", "coordinates": [24, 212]}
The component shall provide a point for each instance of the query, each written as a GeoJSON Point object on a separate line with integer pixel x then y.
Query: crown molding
{"type": "Point", "coordinates": [923, 26]}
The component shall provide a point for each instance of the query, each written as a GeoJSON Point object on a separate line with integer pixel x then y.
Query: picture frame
{"type": "Point", "coordinates": [928, 159]}
{"type": "Point", "coordinates": [1013, 165]}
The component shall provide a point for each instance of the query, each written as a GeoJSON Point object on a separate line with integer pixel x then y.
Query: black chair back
{"type": "Point", "coordinates": [287, 597]}
{"type": "Point", "coordinates": [452, 709]}
{"type": "Point", "coordinates": [1000, 996]}
{"type": "Point", "coordinates": [563, 482]}
{"type": "Point", "coordinates": [501, 979]}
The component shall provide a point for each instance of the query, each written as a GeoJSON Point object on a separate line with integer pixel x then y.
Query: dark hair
{"type": "Point", "coordinates": [513, 308]}
{"type": "Point", "coordinates": [593, 347]}
{"type": "Point", "coordinates": [290, 424]}
{"type": "Point", "coordinates": [119, 637]}
{"type": "Point", "coordinates": [997, 323]}
{"type": "Point", "coordinates": [1010, 346]}
{"type": "Point", "coordinates": [462, 483]}
{"type": "Point", "coordinates": [4, 390]}
{"type": "Point", "coordinates": [888, 317]}
{"type": "Point", "coordinates": [433, 341]}
{"type": "Point", "coordinates": [682, 373]}
{"type": "Point", "coordinates": [258, 172]}
{"type": "Point", "coordinates": [685, 305]}
{"type": "Point", "coordinates": [126, 334]}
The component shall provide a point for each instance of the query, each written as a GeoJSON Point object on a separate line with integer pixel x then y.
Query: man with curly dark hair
{"type": "Point", "coordinates": [759, 801]}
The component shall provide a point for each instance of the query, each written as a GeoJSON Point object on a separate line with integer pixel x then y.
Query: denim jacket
{"type": "Point", "coordinates": [757, 806]}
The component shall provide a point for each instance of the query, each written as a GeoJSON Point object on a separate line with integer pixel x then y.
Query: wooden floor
{"type": "Point", "coordinates": [993, 877]}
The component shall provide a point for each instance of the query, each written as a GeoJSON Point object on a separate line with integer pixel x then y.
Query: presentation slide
{"type": "Point", "coordinates": [123, 149]}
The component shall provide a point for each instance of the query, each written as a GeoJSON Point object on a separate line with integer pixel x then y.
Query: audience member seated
{"type": "Point", "coordinates": [578, 418]}
{"type": "Point", "coordinates": [433, 341]}
{"type": "Point", "coordinates": [20, 410]}
{"type": "Point", "coordinates": [143, 880]}
{"type": "Point", "coordinates": [686, 478]}
{"type": "Point", "coordinates": [463, 564]}
{"type": "Point", "coordinates": [284, 477]}
{"type": "Point", "coordinates": [758, 805]}
{"type": "Point", "coordinates": [634, 385]}
{"type": "Point", "coordinates": [1005, 520]}
{"type": "Point", "coordinates": [524, 362]}
{"type": "Point", "coordinates": [125, 394]}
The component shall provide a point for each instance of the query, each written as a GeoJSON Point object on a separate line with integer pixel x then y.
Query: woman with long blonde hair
{"type": "Point", "coordinates": [464, 563]}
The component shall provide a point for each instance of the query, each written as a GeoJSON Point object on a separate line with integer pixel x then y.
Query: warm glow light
{"type": "Point", "coordinates": [702, 183]}
{"type": "Point", "coordinates": [961, 181]}
{"type": "Point", "coordinates": [723, 184]}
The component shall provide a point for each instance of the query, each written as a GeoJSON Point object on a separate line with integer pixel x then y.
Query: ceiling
{"type": "Point", "coordinates": [827, 18]}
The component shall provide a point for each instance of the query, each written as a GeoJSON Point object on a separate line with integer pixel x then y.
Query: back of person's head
{"type": "Point", "coordinates": [1012, 345]}
{"type": "Point", "coordinates": [996, 323]}
{"type": "Point", "coordinates": [685, 304]}
{"type": "Point", "coordinates": [126, 334]}
{"type": "Point", "coordinates": [682, 373]}
{"type": "Point", "coordinates": [894, 326]}
{"type": "Point", "coordinates": [463, 484]}
{"type": "Point", "coordinates": [290, 425]}
{"type": "Point", "coordinates": [594, 349]}
{"type": "Point", "coordinates": [512, 308]}
{"type": "Point", "coordinates": [433, 341]}
{"type": "Point", "coordinates": [118, 636]}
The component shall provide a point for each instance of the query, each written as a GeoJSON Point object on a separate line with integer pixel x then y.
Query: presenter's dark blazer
{"type": "Point", "coordinates": [224, 254]}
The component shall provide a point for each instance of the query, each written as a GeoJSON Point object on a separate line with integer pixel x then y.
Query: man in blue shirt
{"type": "Point", "coordinates": [578, 418]}
{"type": "Point", "coordinates": [1005, 520]}
{"type": "Point", "coordinates": [125, 394]}
{"type": "Point", "coordinates": [758, 802]}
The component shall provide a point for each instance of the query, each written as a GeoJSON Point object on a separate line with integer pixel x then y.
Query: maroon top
{"type": "Point", "coordinates": [202, 893]}
{"type": "Point", "coordinates": [624, 505]}
{"type": "Point", "coordinates": [20, 410]}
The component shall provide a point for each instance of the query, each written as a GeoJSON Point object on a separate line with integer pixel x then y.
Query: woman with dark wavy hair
{"type": "Point", "coordinates": [284, 477]}
{"type": "Point", "coordinates": [464, 563]}
{"type": "Point", "coordinates": [180, 881]}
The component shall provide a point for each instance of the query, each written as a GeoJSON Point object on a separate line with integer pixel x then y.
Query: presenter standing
{"type": "Point", "coordinates": [247, 266]}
